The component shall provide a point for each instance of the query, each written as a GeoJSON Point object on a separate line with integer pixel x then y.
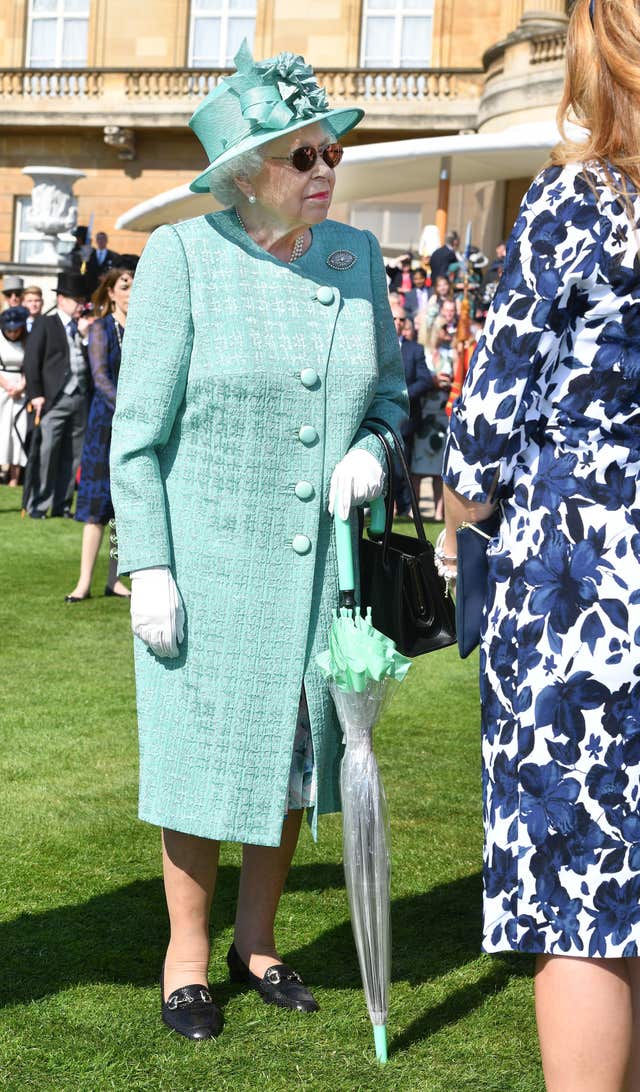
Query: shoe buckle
{"type": "Point", "coordinates": [206, 996]}
{"type": "Point", "coordinates": [172, 1003]}
{"type": "Point", "coordinates": [274, 976]}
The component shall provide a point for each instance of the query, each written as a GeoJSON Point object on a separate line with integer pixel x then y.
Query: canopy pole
{"type": "Point", "coordinates": [444, 186]}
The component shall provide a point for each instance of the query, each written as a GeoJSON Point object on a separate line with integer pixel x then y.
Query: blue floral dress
{"type": "Point", "coordinates": [551, 407]}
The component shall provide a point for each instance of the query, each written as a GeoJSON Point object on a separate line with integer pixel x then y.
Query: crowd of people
{"type": "Point", "coordinates": [439, 309]}
{"type": "Point", "coordinates": [58, 375]}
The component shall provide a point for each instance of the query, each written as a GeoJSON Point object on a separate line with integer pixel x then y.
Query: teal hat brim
{"type": "Point", "coordinates": [341, 122]}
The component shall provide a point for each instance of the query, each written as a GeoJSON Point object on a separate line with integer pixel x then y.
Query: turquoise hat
{"type": "Point", "coordinates": [260, 102]}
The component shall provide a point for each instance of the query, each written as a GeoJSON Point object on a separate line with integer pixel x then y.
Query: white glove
{"type": "Point", "coordinates": [357, 478]}
{"type": "Point", "coordinates": [157, 613]}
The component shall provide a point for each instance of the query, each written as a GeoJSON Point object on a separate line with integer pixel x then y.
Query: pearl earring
{"type": "Point", "coordinates": [252, 198]}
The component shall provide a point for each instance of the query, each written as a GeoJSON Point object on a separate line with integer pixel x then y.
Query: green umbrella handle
{"type": "Point", "coordinates": [346, 578]}
{"type": "Point", "coordinates": [378, 516]}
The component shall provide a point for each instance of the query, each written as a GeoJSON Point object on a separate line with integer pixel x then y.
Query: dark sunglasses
{"type": "Point", "coordinates": [305, 158]}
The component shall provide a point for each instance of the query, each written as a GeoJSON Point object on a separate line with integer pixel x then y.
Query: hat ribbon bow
{"type": "Point", "coordinates": [276, 92]}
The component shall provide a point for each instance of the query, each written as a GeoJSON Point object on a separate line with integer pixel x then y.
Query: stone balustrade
{"type": "Point", "coordinates": [442, 98]}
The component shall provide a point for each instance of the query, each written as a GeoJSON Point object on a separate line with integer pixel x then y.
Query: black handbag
{"type": "Point", "coordinates": [398, 577]}
{"type": "Point", "coordinates": [472, 578]}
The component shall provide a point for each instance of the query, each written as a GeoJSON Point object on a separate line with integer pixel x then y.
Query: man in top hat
{"type": "Point", "coordinates": [12, 291]}
{"type": "Point", "coordinates": [58, 386]}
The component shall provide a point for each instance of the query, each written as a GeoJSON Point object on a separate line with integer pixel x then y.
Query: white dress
{"type": "Point", "coordinates": [11, 450]}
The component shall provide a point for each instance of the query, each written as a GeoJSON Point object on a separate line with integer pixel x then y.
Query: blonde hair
{"type": "Point", "coordinates": [32, 290]}
{"type": "Point", "coordinates": [602, 90]}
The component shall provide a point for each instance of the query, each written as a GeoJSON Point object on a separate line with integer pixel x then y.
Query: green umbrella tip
{"type": "Point", "coordinates": [380, 1039]}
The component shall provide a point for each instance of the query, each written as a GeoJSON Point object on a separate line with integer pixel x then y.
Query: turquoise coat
{"type": "Point", "coordinates": [243, 382]}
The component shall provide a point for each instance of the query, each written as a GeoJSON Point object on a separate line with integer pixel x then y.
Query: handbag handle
{"type": "Point", "coordinates": [378, 427]}
{"type": "Point", "coordinates": [346, 579]}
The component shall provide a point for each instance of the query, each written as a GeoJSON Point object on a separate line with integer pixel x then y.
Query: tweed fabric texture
{"type": "Point", "coordinates": [207, 452]}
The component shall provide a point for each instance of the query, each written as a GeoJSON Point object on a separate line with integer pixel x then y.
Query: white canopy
{"type": "Point", "coordinates": [402, 166]}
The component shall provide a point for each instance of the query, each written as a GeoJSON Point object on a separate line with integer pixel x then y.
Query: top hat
{"type": "Point", "coordinates": [73, 285]}
{"type": "Point", "coordinates": [128, 262]}
{"type": "Point", "coordinates": [12, 318]}
{"type": "Point", "coordinates": [12, 284]}
{"type": "Point", "coordinates": [260, 102]}
{"type": "Point", "coordinates": [80, 233]}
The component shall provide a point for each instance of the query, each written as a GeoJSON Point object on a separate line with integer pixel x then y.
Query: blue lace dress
{"type": "Point", "coordinates": [94, 492]}
{"type": "Point", "coordinates": [552, 408]}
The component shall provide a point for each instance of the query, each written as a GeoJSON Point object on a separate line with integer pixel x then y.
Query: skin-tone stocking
{"type": "Point", "coordinates": [190, 868]}
{"type": "Point", "coordinates": [264, 871]}
{"type": "Point", "coordinates": [584, 1015]}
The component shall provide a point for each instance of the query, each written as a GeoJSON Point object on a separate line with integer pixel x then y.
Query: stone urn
{"type": "Point", "coordinates": [53, 208]}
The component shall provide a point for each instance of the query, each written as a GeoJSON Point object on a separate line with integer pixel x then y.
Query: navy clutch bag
{"type": "Point", "coordinates": [472, 578]}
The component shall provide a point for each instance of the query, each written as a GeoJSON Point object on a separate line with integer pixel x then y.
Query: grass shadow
{"type": "Point", "coordinates": [119, 937]}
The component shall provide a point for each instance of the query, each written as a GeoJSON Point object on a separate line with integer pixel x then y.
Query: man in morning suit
{"type": "Point", "coordinates": [58, 386]}
{"type": "Point", "coordinates": [105, 259]}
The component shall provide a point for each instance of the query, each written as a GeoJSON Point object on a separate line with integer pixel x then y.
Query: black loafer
{"type": "Point", "coordinates": [191, 1011]}
{"type": "Point", "coordinates": [280, 984]}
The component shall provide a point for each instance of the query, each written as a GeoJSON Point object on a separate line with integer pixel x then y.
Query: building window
{"type": "Point", "coordinates": [217, 29]}
{"type": "Point", "coordinates": [58, 33]}
{"type": "Point", "coordinates": [396, 33]}
{"type": "Point", "coordinates": [396, 227]}
{"type": "Point", "coordinates": [27, 243]}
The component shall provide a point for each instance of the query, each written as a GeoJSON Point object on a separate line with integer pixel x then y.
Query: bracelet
{"type": "Point", "coordinates": [445, 564]}
{"type": "Point", "coordinates": [439, 551]}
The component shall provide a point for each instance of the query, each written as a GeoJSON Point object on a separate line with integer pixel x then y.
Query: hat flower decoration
{"type": "Point", "coordinates": [274, 93]}
{"type": "Point", "coordinates": [260, 101]}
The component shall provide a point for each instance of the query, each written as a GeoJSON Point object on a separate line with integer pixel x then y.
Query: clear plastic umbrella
{"type": "Point", "coordinates": [359, 666]}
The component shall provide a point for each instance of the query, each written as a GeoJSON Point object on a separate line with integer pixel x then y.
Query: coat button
{"type": "Point", "coordinates": [301, 544]}
{"type": "Point", "coordinates": [325, 294]}
{"type": "Point", "coordinates": [308, 435]}
{"type": "Point", "coordinates": [309, 377]}
{"type": "Point", "coordinates": [304, 491]}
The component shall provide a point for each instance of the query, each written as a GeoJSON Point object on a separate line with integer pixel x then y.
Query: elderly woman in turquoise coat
{"type": "Point", "coordinates": [238, 426]}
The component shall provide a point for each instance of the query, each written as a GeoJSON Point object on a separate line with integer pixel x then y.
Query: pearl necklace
{"type": "Point", "coordinates": [118, 334]}
{"type": "Point", "coordinates": [298, 246]}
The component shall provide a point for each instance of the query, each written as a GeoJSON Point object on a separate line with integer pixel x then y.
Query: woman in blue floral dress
{"type": "Point", "coordinates": [548, 427]}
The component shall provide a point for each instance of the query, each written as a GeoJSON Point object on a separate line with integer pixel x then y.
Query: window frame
{"type": "Point", "coordinates": [399, 11]}
{"type": "Point", "coordinates": [225, 13]}
{"type": "Point", "coordinates": [23, 234]}
{"type": "Point", "coordinates": [386, 210]}
{"type": "Point", "coordinates": [58, 16]}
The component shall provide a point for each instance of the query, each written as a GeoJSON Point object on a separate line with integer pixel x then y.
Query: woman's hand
{"type": "Point", "coordinates": [157, 613]}
{"type": "Point", "coordinates": [358, 478]}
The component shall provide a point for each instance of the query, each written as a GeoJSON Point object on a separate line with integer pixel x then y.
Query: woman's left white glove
{"type": "Point", "coordinates": [358, 478]}
{"type": "Point", "coordinates": [157, 613]}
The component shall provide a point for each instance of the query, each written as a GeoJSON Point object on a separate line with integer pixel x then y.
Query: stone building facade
{"type": "Point", "coordinates": [106, 87]}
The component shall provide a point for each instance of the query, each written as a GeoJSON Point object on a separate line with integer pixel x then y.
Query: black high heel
{"type": "Point", "coordinates": [191, 1011]}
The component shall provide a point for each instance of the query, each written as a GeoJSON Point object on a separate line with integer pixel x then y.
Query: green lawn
{"type": "Point", "coordinates": [82, 924]}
